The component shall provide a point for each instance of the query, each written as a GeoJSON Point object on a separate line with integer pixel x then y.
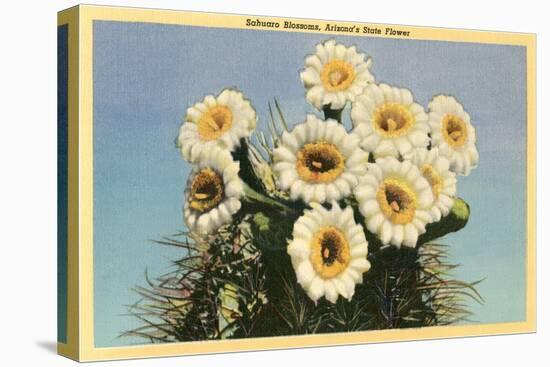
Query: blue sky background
{"type": "Point", "coordinates": [146, 75]}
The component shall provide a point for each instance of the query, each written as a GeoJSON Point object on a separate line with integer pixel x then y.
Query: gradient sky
{"type": "Point", "coordinates": [146, 75]}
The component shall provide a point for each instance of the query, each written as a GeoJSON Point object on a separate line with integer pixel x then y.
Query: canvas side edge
{"type": "Point", "coordinates": [70, 346]}
{"type": "Point", "coordinates": [531, 172]}
{"type": "Point", "coordinates": [86, 186]}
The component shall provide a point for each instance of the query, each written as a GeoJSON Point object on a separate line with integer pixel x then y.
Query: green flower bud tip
{"type": "Point", "coordinates": [461, 209]}
{"type": "Point", "coordinates": [261, 221]}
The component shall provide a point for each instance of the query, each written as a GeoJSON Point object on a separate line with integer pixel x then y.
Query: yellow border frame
{"type": "Point", "coordinates": [80, 336]}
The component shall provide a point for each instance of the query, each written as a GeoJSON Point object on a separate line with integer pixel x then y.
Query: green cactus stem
{"type": "Point", "coordinates": [453, 222]}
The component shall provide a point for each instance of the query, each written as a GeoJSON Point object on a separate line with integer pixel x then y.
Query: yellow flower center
{"type": "Point", "coordinates": [397, 201]}
{"type": "Point", "coordinates": [319, 162]}
{"type": "Point", "coordinates": [330, 252]}
{"type": "Point", "coordinates": [454, 130]}
{"type": "Point", "coordinates": [207, 190]}
{"type": "Point", "coordinates": [392, 119]}
{"type": "Point", "coordinates": [215, 122]}
{"type": "Point", "coordinates": [337, 75]}
{"type": "Point", "coordinates": [434, 179]}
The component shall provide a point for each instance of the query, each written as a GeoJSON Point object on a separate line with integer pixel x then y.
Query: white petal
{"type": "Point", "coordinates": [299, 249]}
{"type": "Point", "coordinates": [360, 264]}
{"type": "Point", "coordinates": [310, 76]}
{"type": "Point", "coordinates": [332, 192]}
{"type": "Point", "coordinates": [287, 178]}
{"type": "Point", "coordinates": [319, 194]}
{"type": "Point", "coordinates": [316, 289]}
{"type": "Point", "coordinates": [398, 234]}
{"type": "Point", "coordinates": [386, 232]}
{"type": "Point", "coordinates": [305, 274]}
{"type": "Point", "coordinates": [234, 188]}
{"type": "Point", "coordinates": [296, 189]}
{"type": "Point", "coordinates": [315, 96]}
{"type": "Point", "coordinates": [375, 222]}
{"type": "Point", "coordinates": [282, 153]}
{"type": "Point", "coordinates": [340, 286]}
{"type": "Point", "coordinates": [307, 193]}
{"type": "Point", "coordinates": [330, 292]}
{"type": "Point", "coordinates": [359, 251]}
{"type": "Point", "coordinates": [349, 283]}
{"type": "Point", "coordinates": [233, 205]}
{"type": "Point", "coordinates": [301, 231]}
{"type": "Point", "coordinates": [411, 235]}
{"type": "Point", "coordinates": [369, 207]}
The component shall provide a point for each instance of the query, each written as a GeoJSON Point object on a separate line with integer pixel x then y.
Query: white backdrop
{"type": "Point", "coordinates": [28, 182]}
